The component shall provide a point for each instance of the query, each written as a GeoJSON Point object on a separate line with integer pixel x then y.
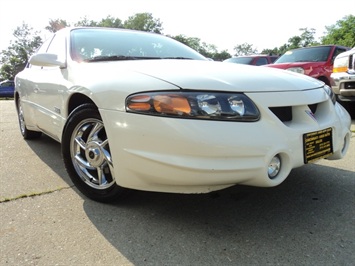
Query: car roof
{"type": "Point", "coordinates": [328, 45]}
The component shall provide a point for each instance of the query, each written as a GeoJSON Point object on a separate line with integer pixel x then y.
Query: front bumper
{"type": "Point", "coordinates": [194, 156]}
{"type": "Point", "coordinates": [344, 86]}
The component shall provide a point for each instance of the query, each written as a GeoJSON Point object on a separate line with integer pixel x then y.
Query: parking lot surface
{"type": "Point", "coordinates": [44, 220]}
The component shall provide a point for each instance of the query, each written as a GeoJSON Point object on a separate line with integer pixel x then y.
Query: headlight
{"type": "Point", "coordinates": [341, 64]}
{"type": "Point", "coordinates": [331, 94]}
{"type": "Point", "coordinates": [197, 105]}
{"type": "Point", "coordinates": [299, 70]}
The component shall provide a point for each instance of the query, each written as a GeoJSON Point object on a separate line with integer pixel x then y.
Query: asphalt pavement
{"type": "Point", "coordinates": [44, 220]}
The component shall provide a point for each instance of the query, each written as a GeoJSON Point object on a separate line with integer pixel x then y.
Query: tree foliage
{"type": "Point", "coordinates": [109, 21]}
{"type": "Point", "coordinates": [244, 49]}
{"type": "Point", "coordinates": [56, 24]}
{"type": "Point", "coordinates": [341, 33]}
{"type": "Point", "coordinates": [207, 50]}
{"type": "Point", "coordinates": [305, 39]}
{"type": "Point", "coordinates": [14, 59]}
{"type": "Point", "coordinates": [143, 22]}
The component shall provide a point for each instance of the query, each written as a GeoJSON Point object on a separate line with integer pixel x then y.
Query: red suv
{"type": "Point", "coordinates": [316, 61]}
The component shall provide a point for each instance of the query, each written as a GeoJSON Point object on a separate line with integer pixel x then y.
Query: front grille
{"type": "Point", "coordinates": [349, 85]}
{"type": "Point", "coordinates": [284, 113]}
{"type": "Point", "coordinates": [313, 107]}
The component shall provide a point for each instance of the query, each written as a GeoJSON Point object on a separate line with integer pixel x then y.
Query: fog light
{"type": "Point", "coordinates": [274, 167]}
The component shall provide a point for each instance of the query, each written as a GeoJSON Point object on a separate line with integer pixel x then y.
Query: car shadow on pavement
{"type": "Point", "coordinates": [310, 212]}
{"type": "Point", "coordinates": [49, 151]}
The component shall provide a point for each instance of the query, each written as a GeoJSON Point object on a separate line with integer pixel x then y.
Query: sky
{"type": "Point", "coordinates": [265, 24]}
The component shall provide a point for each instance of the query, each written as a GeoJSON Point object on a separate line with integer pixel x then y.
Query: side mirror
{"type": "Point", "coordinates": [46, 60]}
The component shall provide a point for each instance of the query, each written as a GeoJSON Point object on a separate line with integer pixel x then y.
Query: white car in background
{"type": "Point", "coordinates": [343, 79]}
{"type": "Point", "coordinates": [142, 111]}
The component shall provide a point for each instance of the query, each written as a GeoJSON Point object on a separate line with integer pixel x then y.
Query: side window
{"type": "Point", "coordinates": [273, 58]}
{"type": "Point", "coordinates": [261, 61]}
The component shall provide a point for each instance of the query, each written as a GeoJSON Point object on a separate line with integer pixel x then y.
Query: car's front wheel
{"type": "Point", "coordinates": [87, 157]}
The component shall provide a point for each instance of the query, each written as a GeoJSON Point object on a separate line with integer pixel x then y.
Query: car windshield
{"type": "Point", "coordinates": [240, 60]}
{"type": "Point", "coordinates": [312, 54]}
{"type": "Point", "coordinates": [92, 45]}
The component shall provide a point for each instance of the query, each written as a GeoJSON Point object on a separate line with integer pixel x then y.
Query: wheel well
{"type": "Point", "coordinates": [77, 100]}
{"type": "Point", "coordinates": [16, 99]}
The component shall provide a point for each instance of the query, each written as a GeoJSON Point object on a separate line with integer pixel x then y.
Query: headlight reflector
{"type": "Point", "coordinates": [209, 104]}
{"type": "Point", "coordinates": [192, 104]}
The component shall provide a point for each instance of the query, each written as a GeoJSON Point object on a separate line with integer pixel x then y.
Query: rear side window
{"type": "Point", "coordinates": [261, 61]}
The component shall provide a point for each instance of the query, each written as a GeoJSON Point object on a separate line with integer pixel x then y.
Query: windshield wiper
{"type": "Point", "coordinates": [176, 57]}
{"type": "Point", "coordinates": [101, 58]}
{"type": "Point", "coordinates": [110, 58]}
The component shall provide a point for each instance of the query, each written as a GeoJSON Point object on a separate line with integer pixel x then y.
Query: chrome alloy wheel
{"type": "Point", "coordinates": [90, 154]}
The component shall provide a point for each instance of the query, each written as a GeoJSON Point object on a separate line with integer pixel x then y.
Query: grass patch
{"type": "Point", "coordinates": [33, 194]}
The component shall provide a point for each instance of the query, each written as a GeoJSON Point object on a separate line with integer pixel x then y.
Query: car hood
{"type": "Point", "coordinates": [201, 75]}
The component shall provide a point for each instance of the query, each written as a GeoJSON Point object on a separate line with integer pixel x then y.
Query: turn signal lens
{"type": "Point", "coordinates": [171, 104]}
{"type": "Point", "coordinates": [340, 69]}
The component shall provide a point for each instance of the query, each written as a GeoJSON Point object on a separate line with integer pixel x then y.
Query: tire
{"type": "Point", "coordinates": [86, 155]}
{"type": "Point", "coordinates": [26, 134]}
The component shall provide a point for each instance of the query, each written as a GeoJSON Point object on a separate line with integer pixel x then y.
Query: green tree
{"type": "Point", "coordinates": [207, 50]}
{"type": "Point", "coordinates": [85, 22]}
{"type": "Point", "coordinates": [304, 40]}
{"type": "Point", "coordinates": [14, 59]}
{"type": "Point", "coordinates": [220, 56]}
{"type": "Point", "coordinates": [56, 24]}
{"type": "Point", "coordinates": [244, 49]}
{"type": "Point", "coordinates": [143, 22]}
{"type": "Point", "coordinates": [274, 51]}
{"type": "Point", "coordinates": [341, 33]}
{"type": "Point", "coordinates": [192, 42]}
{"type": "Point", "coordinates": [110, 22]}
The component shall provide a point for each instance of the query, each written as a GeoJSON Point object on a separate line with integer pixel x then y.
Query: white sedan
{"type": "Point", "coordinates": [137, 110]}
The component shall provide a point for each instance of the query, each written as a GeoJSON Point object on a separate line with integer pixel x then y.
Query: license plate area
{"type": "Point", "coordinates": [317, 145]}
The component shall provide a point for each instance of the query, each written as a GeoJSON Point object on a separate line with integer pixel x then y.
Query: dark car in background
{"type": "Point", "coordinates": [315, 61]}
{"type": "Point", "coordinates": [7, 88]}
{"type": "Point", "coordinates": [256, 60]}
